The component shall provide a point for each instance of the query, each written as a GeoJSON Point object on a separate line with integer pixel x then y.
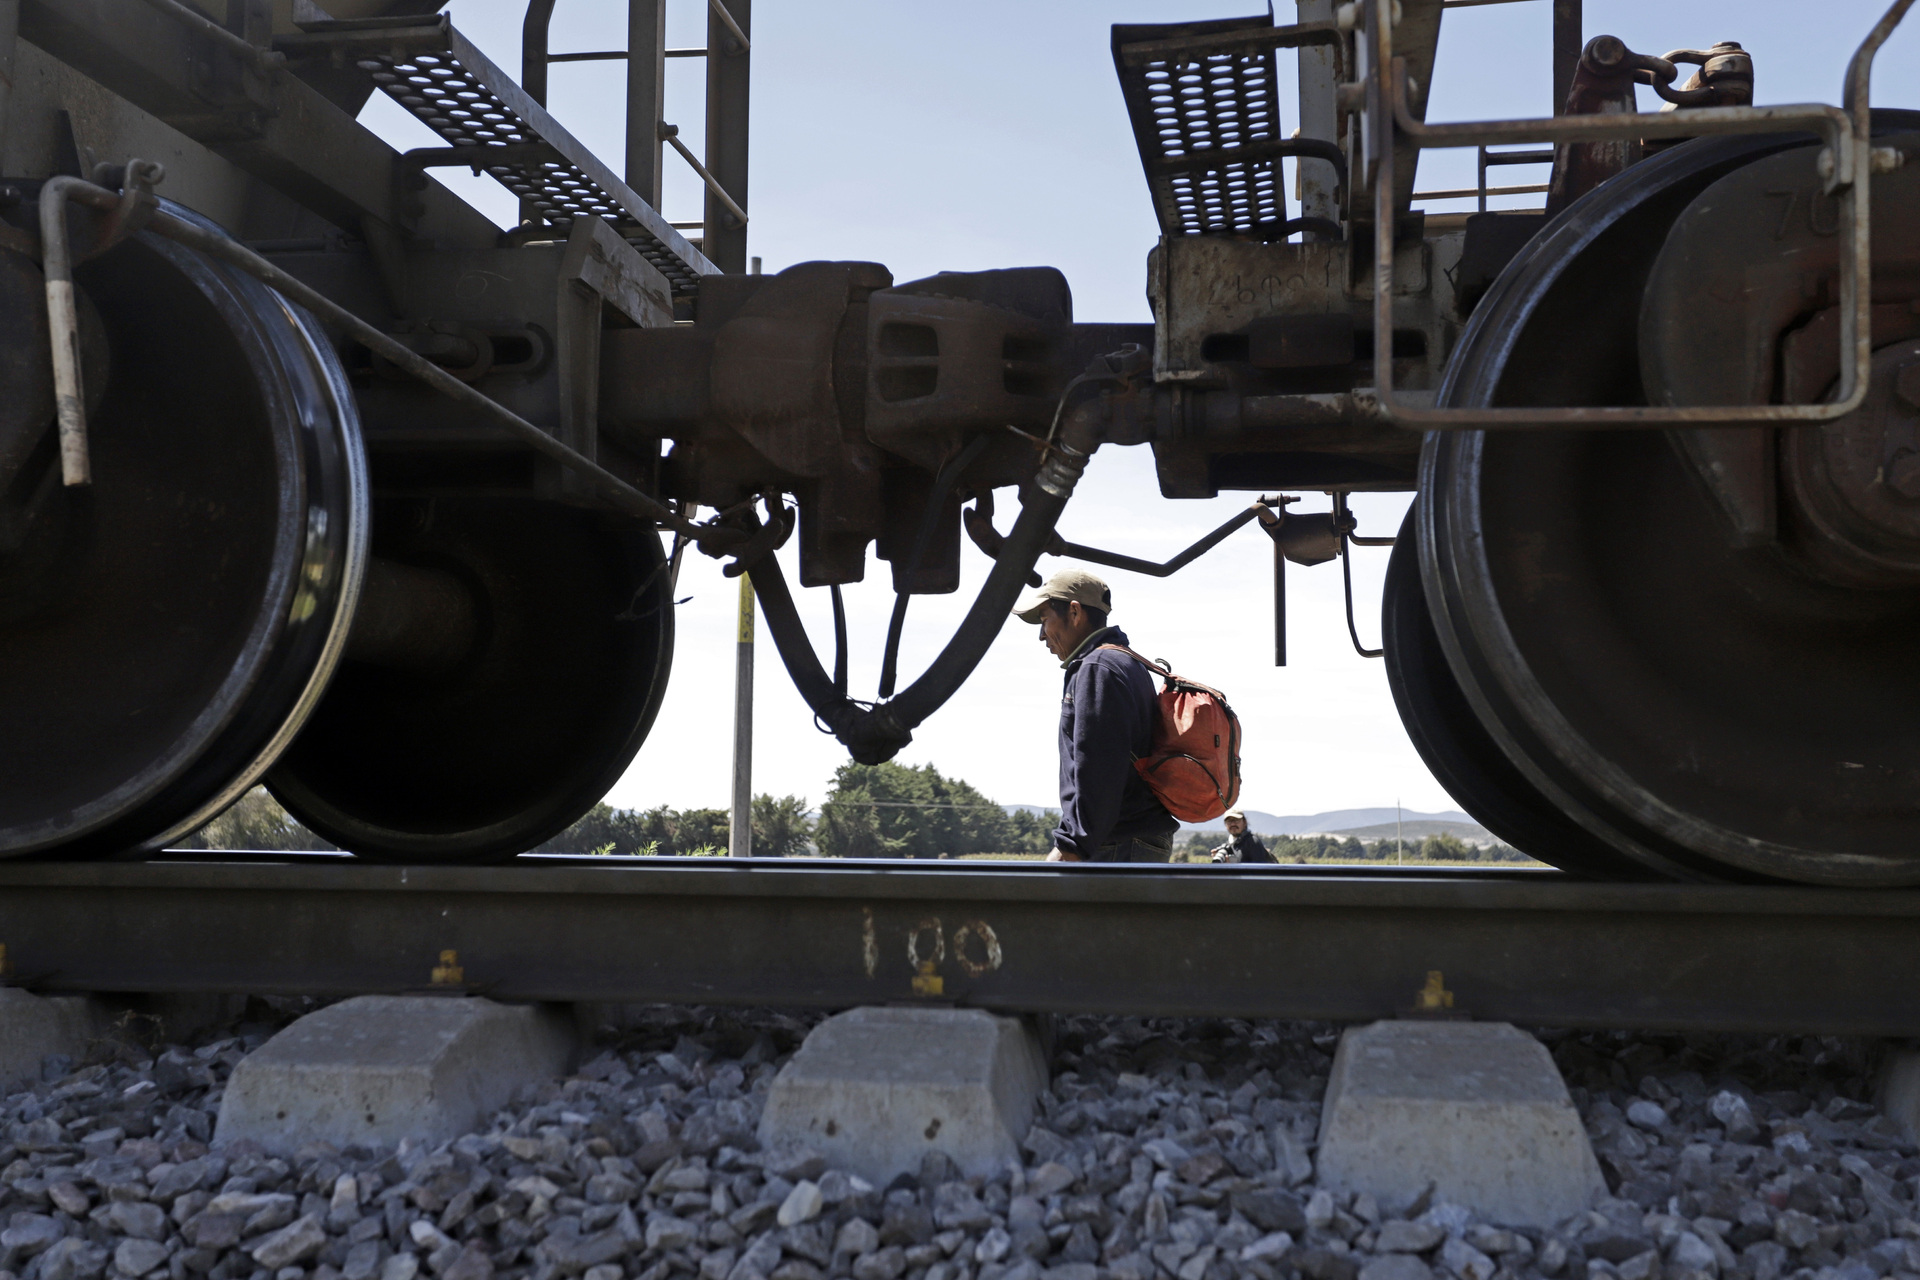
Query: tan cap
{"type": "Point", "coordinates": [1233, 813]}
{"type": "Point", "coordinates": [1068, 584]}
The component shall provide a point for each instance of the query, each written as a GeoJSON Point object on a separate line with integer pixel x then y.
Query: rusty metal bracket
{"type": "Point", "coordinates": [599, 270]}
{"type": "Point", "coordinates": [605, 487]}
{"type": "Point", "coordinates": [1847, 165]}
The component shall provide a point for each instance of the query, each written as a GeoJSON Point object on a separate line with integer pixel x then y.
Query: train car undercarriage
{"type": "Point", "coordinates": [310, 475]}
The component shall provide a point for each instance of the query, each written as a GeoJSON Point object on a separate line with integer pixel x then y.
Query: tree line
{"type": "Point", "coordinates": [871, 811]}
{"type": "Point", "coordinates": [781, 829]}
{"type": "Point", "coordinates": [1333, 848]}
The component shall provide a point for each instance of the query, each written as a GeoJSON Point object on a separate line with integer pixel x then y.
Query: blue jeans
{"type": "Point", "coordinates": [1136, 849]}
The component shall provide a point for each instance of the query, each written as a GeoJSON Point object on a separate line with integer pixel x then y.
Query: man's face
{"type": "Point", "coordinates": [1236, 825]}
{"type": "Point", "coordinates": [1062, 633]}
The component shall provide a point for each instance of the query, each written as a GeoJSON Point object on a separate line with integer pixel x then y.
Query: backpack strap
{"type": "Point", "coordinates": [1165, 673]}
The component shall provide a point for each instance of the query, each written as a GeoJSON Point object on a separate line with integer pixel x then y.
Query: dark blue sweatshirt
{"type": "Point", "coordinates": [1106, 722]}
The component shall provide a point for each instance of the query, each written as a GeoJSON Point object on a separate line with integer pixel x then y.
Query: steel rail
{"type": "Point", "coordinates": [1340, 943]}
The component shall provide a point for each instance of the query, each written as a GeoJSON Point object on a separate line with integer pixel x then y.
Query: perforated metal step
{"type": "Point", "coordinates": [455, 90]}
{"type": "Point", "coordinates": [1204, 102]}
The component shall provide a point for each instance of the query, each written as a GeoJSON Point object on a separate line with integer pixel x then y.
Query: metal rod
{"type": "Point", "coordinates": [1279, 607]}
{"type": "Point", "coordinates": [733, 28]}
{"type": "Point", "coordinates": [1343, 522]}
{"type": "Point", "coordinates": [1856, 286]}
{"type": "Point", "coordinates": [1568, 30]}
{"type": "Point", "coordinates": [1818, 117]}
{"type": "Point", "coordinates": [1467, 193]}
{"type": "Point", "coordinates": [1346, 580]}
{"type": "Point", "coordinates": [713, 183]}
{"type": "Point", "coordinates": [724, 153]}
{"type": "Point", "coordinates": [1256, 40]}
{"type": "Point", "coordinates": [646, 95]}
{"type": "Point", "coordinates": [621, 55]}
{"type": "Point", "coordinates": [187, 17]}
{"type": "Point", "coordinates": [740, 828]}
{"type": "Point", "coordinates": [1317, 184]}
{"type": "Point", "coordinates": [533, 49]}
{"type": "Point", "coordinates": [533, 78]}
{"type": "Point", "coordinates": [1114, 560]}
{"type": "Point", "coordinates": [63, 320]}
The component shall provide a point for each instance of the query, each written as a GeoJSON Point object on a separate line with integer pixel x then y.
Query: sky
{"type": "Point", "coordinates": [989, 134]}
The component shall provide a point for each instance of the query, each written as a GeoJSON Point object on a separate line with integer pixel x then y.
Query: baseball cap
{"type": "Point", "coordinates": [1233, 813]}
{"type": "Point", "coordinates": [1068, 584]}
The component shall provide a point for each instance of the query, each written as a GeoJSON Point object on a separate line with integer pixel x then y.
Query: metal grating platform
{"type": "Point", "coordinates": [1199, 118]}
{"type": "Point", "coordinates": [456, 91]}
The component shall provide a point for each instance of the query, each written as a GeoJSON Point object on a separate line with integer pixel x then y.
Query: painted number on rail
{"type": "Point", "coordinates": [973, 946]}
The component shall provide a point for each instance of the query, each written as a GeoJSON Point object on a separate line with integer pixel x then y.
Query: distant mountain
{"type": "Point", "coordinates": [1471, 832]}
{"type": "Point", "coordinates": [1367, 824]}
{"type": "Point", "coordinates": [1343, 821]}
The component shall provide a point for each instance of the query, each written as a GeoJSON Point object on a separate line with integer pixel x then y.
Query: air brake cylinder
{"type": "Point", "coordinates": [863, 398]}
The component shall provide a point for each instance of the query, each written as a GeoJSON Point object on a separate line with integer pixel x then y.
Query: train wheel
{"type": "Point", "coordinates": [479, 749]}
{"type": "Point", "coordinates": [165, 630]}
{"type": "Point", "coordinates": [1712, 699]}
{"type": "Point", "coordinates": [1457, 748]}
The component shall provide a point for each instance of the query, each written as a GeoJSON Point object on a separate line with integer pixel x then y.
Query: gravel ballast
{"type": "Point", "coordinates": [1178, 1148]}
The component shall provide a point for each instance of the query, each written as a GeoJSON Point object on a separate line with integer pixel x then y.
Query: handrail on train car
{"type": "Point", "coordinates": [1847, 164]}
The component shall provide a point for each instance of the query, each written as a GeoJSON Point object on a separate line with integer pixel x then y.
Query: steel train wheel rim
{"type": "Point", "coordinates": [496, 756]}
{"type": "Point", "coordinates": [317, 570]}
{"type": "Point", "coordinates": [1472, 630]}
{"type": "Point", "coordinates": [1487, 614]}
{"type": "Point", "coordinates": [216, 377]}
{"type": "Point", "coordinates": [1457, 747]}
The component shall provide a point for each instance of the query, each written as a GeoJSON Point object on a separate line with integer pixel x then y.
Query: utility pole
{"type": "Point", "coordinates": [740, 824]}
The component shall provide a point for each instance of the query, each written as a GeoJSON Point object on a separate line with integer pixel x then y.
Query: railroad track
{"type": "Point", "coordinates": [1344, 943]}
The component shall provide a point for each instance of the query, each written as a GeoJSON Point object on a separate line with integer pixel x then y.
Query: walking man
{"type": "Point", "coordinates": [1107, 813]}
{"type": "Point", "coordinates": [1242, 845]}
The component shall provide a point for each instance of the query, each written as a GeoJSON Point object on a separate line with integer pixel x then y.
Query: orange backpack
{"type": "Point", "coordinates": [1194, 767]}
